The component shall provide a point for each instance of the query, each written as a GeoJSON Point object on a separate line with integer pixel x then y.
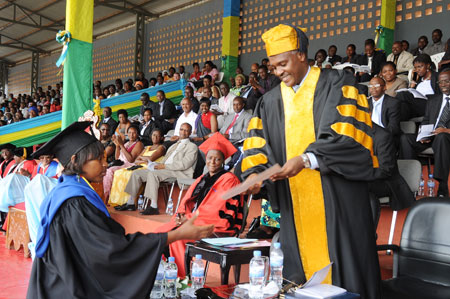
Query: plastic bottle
{"type": "Point", "coordinates": [158, 285]}
{"type": "Point", "coordinates": [169, 208]}
{"type": "Point", "coordinates": [198, 272]}
{"type": "Point", "coordinates": [276, 265]}
{"type": "Point", "coordinates": [170, 278]}
{"type": "Point", "coordinates": [430, 185]}
{"type": "Point", "coordinates": [141, 203]}
{"type": "Point", "coordinates": [256, 273]}
{"type": "Point", "coordinates": [421, 191]}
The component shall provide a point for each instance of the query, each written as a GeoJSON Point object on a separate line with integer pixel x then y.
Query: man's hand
{"type": "Point", "coordinates": [174, 138]}
{"type": "Point", "coordinates": [160, 166]}
{"type": "Point", "coordinates": [425, 140]}
{"type": "Point", "coordinates": [24, 172]}
{"type": "Point", "coordinates": [441, 130]}
{"type": "Point", "coordinates": [291, 168]}
{"type": "Point", "coordinates": [255, 188]}
{"type": "Point", "coordinates": [227, 136]}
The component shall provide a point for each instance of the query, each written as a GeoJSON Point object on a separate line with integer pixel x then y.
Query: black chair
{"type": "Point", "coordinates": [422, 261]}
{"type": "Point", "coordinates": [225, 257]}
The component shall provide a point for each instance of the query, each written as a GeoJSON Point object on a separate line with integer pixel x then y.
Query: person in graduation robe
{"type": "Point", "coordinates": [7, 152]}
{"type": "Point", "coordinates": [47, 166]}
{"type": "Point", "coordinates": [316, 125]}
{"type": "Point", "coordinates": [81, 252]}
{"type": "Point", "coordinates": [204, 196]}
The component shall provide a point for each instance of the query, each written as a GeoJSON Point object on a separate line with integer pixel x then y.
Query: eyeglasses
{"type": "Point", "coordinates": [444, 82]}
{"type": "Point", "coordinates": [374, 86]}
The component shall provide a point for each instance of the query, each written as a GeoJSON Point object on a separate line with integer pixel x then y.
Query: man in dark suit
{"type": "Point", "coordinates": [385, 109]}
{"type": "Point", "coordinates": [252, 95]}
{"type": "Point", "coordinates": [146, 127]}
{"type": "Point", "coordinates": [266, 81]}
{"type": "Point", "coordinates": [146, 103]}
{"type": "Point", "coordinates": [235, 125]}
{"type": "Point", "coordinates": [189, 93]}
{"type": "Point", "coordinates": [165, 113]}
{"type": "Point", "coordinates": [332, 56]}
{"type": "Point", "coordinates": [374, 59]}
{"type": "Point", "coordinates": [437, 113]}
{"type": "Point", "coordinates": [107, 112]}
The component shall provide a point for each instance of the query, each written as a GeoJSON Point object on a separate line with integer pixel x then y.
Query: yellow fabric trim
{"type": "Point", "coordinates": [169, 95]}
{"type": "Point", "coordinates": [30, 132]}
{"type": "Point", "coordinates": [359, 136]}
{"type": "Point", "coordinates": [306, 187]}
{"type": "Point", "coordinates": [80, 19]}
{"type": "Point", "coordinates": [254, 142]}
{"type": "Point", "coordinates": [252, 161]}
{"type": "Point", "coordinates": [255, 123]}
{"type": "Point", "coordinates": [351, 92]}
{"type": "Point", "coordinates": [352, 111]}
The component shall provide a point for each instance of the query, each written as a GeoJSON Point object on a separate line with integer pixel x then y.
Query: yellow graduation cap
{"type": "Point", "coordinates": [285, 38]}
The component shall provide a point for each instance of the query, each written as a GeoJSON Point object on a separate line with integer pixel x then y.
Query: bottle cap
{"type": "Point", "coordinates": [171, 259]}
{"type": "Point", "coordinates": [198, 256]}
{"type": "Point", "coordinates": [257, 253]}
{"type": "Point", "coordinates": [430, 175]}
{"type": "Point", "coordinates": [277, 245]}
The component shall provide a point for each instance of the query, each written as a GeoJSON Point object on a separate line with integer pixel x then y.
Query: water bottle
{"type": "Point", "coordinates": [198, 272]}
{"type": "Point", "coordinates": [169, 208]}
{"type": "Point", "coordinates": [276, 265]}
{"type": "Point", "coordinates": [421, 191]}
{"type": "Point", "coordinates": [170, 279]}
{"type": "Point", "coordinates": [141, 203]}
{"type": "Point", "coordinates": [430, 185]}
{"type": "Point", "coordinates": [158, 285]}
{"type": "Point", "coordinates": [256, 273]}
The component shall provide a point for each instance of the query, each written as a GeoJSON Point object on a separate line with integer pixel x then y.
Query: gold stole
{"type": "Point", "coordinates": [306, 187]}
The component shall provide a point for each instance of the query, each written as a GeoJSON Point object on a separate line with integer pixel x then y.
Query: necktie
{"type": "Point", "coordinates": [396, 59]}
{"type": "Point", "coordinates": [445, 114]}
{"type": "Point", "coordinates": [232, 123]}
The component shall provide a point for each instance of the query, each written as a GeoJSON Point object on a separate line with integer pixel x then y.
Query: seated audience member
{"type": "Point", "coordinates": [235, 125]}
{"type": "Point", "coordinates": [169, 76]}
{"type": "Point", "coordinates": [405, 45]}
{"type": "Point", "coordinates": [45, 110]}
{"type": "Point", "coordinates": [206, 123]}
{"type": "Point", "coordinates": [106, 92]}
{"type": "Point", "coordinates": [138, 85]}
{"type": "Point", "coordinates": [266, 81]}
{"type": "Point", "coordinates": [147, 126]}
{"type": "Point", "coordinates": [425, 81]}
{"type": "Point", "coordinates": [106, 140]}
{"type": "Point", "coordinates": [207, 83]}
{"type": "Point", "coordinates": [265, 61]}
{"type": "Point", "coordinates": [387, 180]}
{"type": "Point", "coordinates": [438, 114]}
{"type": "Point", "coordinates": [393, 83]}
{"type": "Point", "coordinates": [252, 95]}
{"type": "Point", "coordinates": [178, 162]}
{"type": "Point", "coordinates": [7, 154]}
{"type": "Point", "coordinates": [422, 42]}
{"type": "Point", "coordinates": [152, 82]}
{"type": "Point", "coordinates": [165, 112]}
{"type": "Point", "coordinates": [319, 59]}
{"type": "Point", "coordinates": [122, 126]}
{"type": "Point", "coordinates": [188, 116]}
{"type": "Point", "coordinates": [141, 77]}
{"type": "Point", "coordinates": [211, 70]}
{"type": "Point", "coordinates": [176, 77]}
{"type": "Point", "coordinates": [254, 67]}
{"type": "Point", "coordinates": [119, 86]}
{"type": "Point", "coordinates": [385, 109]}
{"type": "Point", "coordinates": [195, 76]}
{"type": "Point", "coordinates": [152, 153]}
{"type": "Point", "coordinates": [351, 57]}
{"type": "Point", "coordinates": [55, 106]}
{"type": "Point", "coordinates": [32, 112]}
{"type": "Point", "coordinates": [402, 59]}
{"type": "Point", "coordinates": [18, 116]}
{"type": "Point", "coordinates": [373, 59]}
{"type": "Point", "coordinates": [10, 118]}
{"type": "Point", "coordinates": [437, 46]}
{"type": "Point", "coordinates": [159, 80]}
{"type": "Point", "coordinates": [183, 74]}
{"type": "Point", "coordinates": [207, 93]}
{"type": "Point", "coordinates": [226, 101]}
{"type": "Point", "coordinates": [47, 166]}
{"type": "Point", "coordinates": [146, 103]}
{"type": "Point", "coordinates": [445, 61]}
{"type": "Point", "coordinates": [126, 152]}
{"type": "Point", "coordinates": [112, 91]}
{"type": "Point", "coordinates": [97, 92]}
{"type": "Point", "coordinates": [332, 57]}
{"type": "Point", "coordinates": [203, 197]}
{"type": "Point", "coordinates": [239, 81]}
{"type": "Point", "coordinates": [24, 165]}
{"type": "Point", "coordinates": [107, 112]}
{"type": "Point", "coordinates": [189, 93]}
{"type": "Point", "coordinates": [128, 87]}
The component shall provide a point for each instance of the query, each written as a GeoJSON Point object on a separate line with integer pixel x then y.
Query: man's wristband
{"type": "Point", "coordinates": [306, 161]}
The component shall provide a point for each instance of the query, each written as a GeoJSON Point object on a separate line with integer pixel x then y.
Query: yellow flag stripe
{"type": "Point", "coordinates": [255, 124]}
{"type": "Point", "coordinates": [252, 161]}
{"type": "Point", "coordinates": [80, 19]}
{"type": "Point", "coordinates": [351, 92]}
{"type": "Point", "coordinates": [358, 135]}
{"type": "Point", "coordinates": [254, 142]}
{"type": "Point", "coordinates": [30, 132]}
{"type": "Point", "coordinates": [353, 111]}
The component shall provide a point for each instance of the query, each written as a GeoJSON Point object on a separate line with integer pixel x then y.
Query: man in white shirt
{"type": "Point", "coordinates": [225, 104]}
{"type": "Point", "coordinates": [188, 116]}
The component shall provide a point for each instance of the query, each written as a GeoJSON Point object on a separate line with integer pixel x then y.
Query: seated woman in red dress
{"type": "Point", "coordinates": [204, 196]}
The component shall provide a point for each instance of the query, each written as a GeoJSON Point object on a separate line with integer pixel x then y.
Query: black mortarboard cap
{"type": "Point", "coordinates": [67, 143]}
{"type": "Point", "coordinates": [8, 146]}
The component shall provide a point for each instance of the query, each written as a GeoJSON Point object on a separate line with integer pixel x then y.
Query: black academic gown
{"type": "Point", "coordinates": [344, 166]}
{"type": "Point", "coordinates": [89, 256]}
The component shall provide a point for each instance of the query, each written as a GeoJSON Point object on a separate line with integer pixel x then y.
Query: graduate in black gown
{"type": "Point", "coordinates": [81, 251]}
{"type": "Point", "coordinates": [316, 125]}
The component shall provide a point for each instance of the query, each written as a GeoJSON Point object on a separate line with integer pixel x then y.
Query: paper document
{"type": "Point", "coordinates": [358, 68]}
{"type": "Point", "coordinates": [227, 241]}
{"type": "Point", "coordinates": [416, 94]}
{"type": "Point", "coordinates": [248, 183]}
{"type": "Point", "coordinates": [314, 288]}
{"type": "Point", "coordinates": [425, 131]}
{"type": "Point", "coordinates": [216, 107]}
{"type": "Point", "coordinates": [151, 165]}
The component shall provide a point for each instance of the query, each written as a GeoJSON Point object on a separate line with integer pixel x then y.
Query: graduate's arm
{"type": "Point", "coordinates": [189, 231]}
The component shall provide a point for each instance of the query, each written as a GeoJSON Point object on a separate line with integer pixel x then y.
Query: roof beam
{"type": "Point", "coordinates": [42, 27]}
{"type": "Point", "coordinates": [17, 44]}
{"type": "Point", "coordinates": [126, 7]}
{"type": "Point", "coordinates": [29, 13]}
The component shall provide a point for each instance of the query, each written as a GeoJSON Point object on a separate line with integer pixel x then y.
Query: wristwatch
{"type": "Point", "coordinates": [306, 161]}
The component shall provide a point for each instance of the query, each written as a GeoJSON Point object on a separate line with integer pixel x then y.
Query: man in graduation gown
{"type": "Point", "coordinates": [7, 152]}
{"type": "Point", "coordinates": [81, 252]}
{"type": "Point", "coordinates": [317, 126]}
